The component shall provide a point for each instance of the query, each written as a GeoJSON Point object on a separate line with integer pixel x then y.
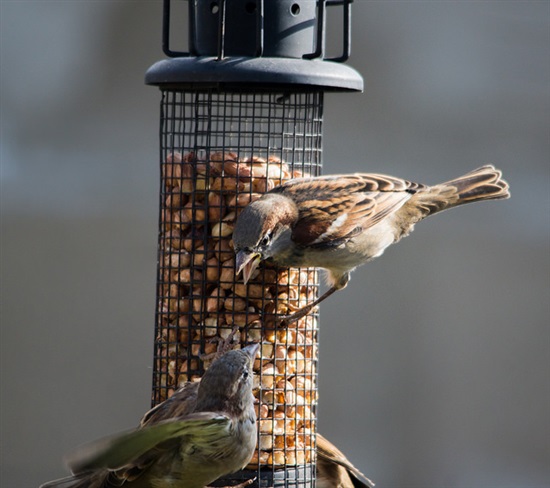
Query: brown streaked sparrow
{"type": "Point", "coordinates": [334, 470]}
{"type": "Point", "coordinates": [338, 222]}
{"type": "Point", "coordinates": [204, 431]}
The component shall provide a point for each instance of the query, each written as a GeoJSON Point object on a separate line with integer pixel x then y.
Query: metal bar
{"type": "Point", "coordinates": [221, 32]}
{"type": "Point", "coordinates": [346, 29]}
{"type": "Point", "coordinates": [260, 29]}
{"type": "Point", "coordinates": [318, 53]}
{"type": "Point", "coordinates": [166, 33]}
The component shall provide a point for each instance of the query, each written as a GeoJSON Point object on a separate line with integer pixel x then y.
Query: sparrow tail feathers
{"type": "Point", "coordinates": [483, 183]}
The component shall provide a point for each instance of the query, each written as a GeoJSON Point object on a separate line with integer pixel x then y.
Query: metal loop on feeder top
{"type": "Point", "coordinates": [220, 151]}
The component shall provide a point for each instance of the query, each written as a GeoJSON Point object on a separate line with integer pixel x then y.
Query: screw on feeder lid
{"type": "Point", "coordinates": [258, 44]}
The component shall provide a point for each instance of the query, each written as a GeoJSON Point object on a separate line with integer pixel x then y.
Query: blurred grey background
{"type": "Point", "coordinates": [435, 362]}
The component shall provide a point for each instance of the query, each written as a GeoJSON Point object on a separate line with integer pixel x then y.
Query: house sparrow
{"type": "Point", "coordinates": [204, 431]}
{"type": "Point", "coordinates": [334, 470]}
{"type": "Point", "coordinates": [339, 222]}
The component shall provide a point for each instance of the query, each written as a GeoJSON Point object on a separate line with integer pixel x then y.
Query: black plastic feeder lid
{"type": "Point", "coordinates": [239, 72]}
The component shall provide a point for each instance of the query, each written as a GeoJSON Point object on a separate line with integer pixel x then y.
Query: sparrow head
{"type": "Point", "coordinates": [227, 384]}
{"type": "Point", "coordinates": [258, 230]}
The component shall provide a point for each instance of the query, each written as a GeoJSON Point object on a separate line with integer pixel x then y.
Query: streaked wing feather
{"type": "Point", "coordinates": [361, 200]}
{"type": "Point", "coordinates": [180, 404]}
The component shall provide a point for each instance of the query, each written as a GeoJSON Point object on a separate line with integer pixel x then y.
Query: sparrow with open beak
{"type": "Point", "coordinates": [206, 430]}
{"type": "Point", "coordinates": [339, 222]}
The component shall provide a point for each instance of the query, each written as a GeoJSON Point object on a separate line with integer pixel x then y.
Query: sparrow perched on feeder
{"type": "Point", "coordinates": [198, 435]}
{"type": "Point", "coordinates": [334, 470]}
{"type": "Point", "coordinates": [339, 222]}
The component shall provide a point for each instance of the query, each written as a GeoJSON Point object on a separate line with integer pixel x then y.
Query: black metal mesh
{"type": "Point", "coordinates": [219, 151]}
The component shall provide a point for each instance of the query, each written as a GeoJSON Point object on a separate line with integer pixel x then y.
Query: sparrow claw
{"type": "Point", "coordinates": [286, 320]}
{"type": "Point", "coordinates": [293, 317]}
{"type": "Point", "coordinates": [224, 345]}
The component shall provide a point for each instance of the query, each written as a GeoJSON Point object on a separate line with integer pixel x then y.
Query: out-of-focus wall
{"type": "Point", "coordinates": [434, 361]}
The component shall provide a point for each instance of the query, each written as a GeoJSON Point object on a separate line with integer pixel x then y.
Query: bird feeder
{"type": "Point", "coordinates": [242, 112]}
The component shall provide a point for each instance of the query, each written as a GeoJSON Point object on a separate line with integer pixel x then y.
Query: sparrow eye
{"type": "Point", "coordinates": [265, 241]}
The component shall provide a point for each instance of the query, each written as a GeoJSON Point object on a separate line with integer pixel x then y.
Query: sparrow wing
{"type": "Point", "coordinates": [180, 404]}
{"type": "Point", "coordinates": [130, 449]}
{"type": "Point", "coordinates": [329, 453]}
{"type": "Point", "coordinates": [335, 208]}
{"type": "Point", "coordinates": [114, 460]}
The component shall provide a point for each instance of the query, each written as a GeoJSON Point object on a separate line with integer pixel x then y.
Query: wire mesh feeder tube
{"type": "Point", "coordinates": [220, 151]}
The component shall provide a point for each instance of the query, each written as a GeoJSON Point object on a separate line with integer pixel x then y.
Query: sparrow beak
{"type": "Point", "coordinates": [252, 350]}
{"type": "Point", "coordinates": [247, 262]}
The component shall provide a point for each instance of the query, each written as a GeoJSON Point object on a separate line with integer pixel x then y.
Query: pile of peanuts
{"type": "Point", "coordinates": [203, 304]}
